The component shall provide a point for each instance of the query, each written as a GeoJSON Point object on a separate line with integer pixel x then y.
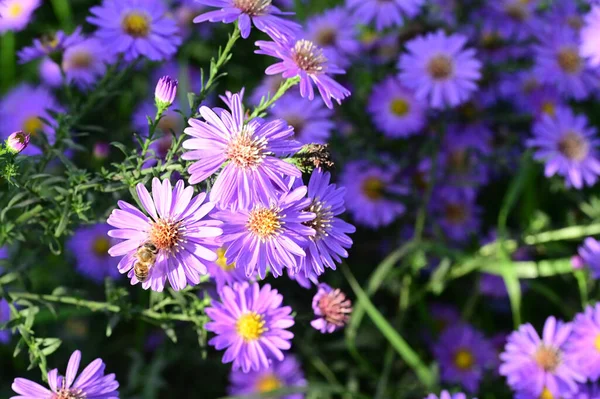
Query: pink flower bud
{"type": "Point", "coordinates": [17, 142]}
{"type": "Point", "coordinates": [165, 92]}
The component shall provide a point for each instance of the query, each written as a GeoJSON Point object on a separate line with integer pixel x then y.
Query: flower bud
{"type": "Point", "coordinates": [101, 150]}
{"type": "Point", "coordinates": [17, 142]}
{"type": "Point", "coordinates": [165, 92]}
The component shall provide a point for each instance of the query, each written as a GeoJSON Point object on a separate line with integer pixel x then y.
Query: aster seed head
{"type": "Point", "coordinates": [335, 307]}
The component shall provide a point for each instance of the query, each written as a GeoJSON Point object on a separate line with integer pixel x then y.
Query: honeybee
{"type": "Point", "coordinates": [146, 256]}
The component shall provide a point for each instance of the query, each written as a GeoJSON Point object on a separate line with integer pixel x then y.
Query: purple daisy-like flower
{"type": "Point", "coordinates": [464, 356]}
{"type": "Point", "coordinates": [136, 28]}
{"type": "Point", "coordinates": [225, 272]}
{"type": "Point", "coordinates": [538, 365]}
{"type": "Point", "coordinates": [385, 13]}
{"type": "Point", "coordinates": [447, 395]}
{"type": "Point", "coordinates": [462, 158]}
{"type": "Point", "coordinates": [303, 58]}
{"type": "Point", "coordinates": [443, 11]}
{"type": "Point", "coordinates": [250, 149]}
{"type": "Point", "coordinates": [280, 374]}
{"type": "Point", "coordinates": [4, 317]}
{"type": "Point", "coordinates": [311, 120]}
{"type": "Point", "coordinates": [16, 14]}
{"type": "Point", "coordinates": [590, 255]}
{"type": "Point", "coordinates": [370, 193]}
{"type": "Point", "coordinates": [329, 243]}
{"type": "Point", "coordinates": [23, 108]}
{"type": "Point", "coordinates": [176, 227]}
{"type": "Point", "coordinates": [91, 383]}
{"type": "Point", "coordinates": [457, 213]}
{"type": "Point", "coordinates": [559, 63]}
{"type": "Point", "coordinates": [512, 19]}
{"type": "Point", "coordinates": [395, 109]}
{"type": "Point", "coordinates": [590, 38]}
{"type": "Point", "coordinates": [50, 44]}
{"type": "Point", "coordinates": [567, 145]}
{"type": "Point", "coordinates": [83, 63]}
{"type": "Point", "coordinates": [89, 246]}
{"type": "Point", "coordinates": [264, 15]}
{"type": "Point", "coordinates": [584, 344]}
{"type": "Point", "coordinates": [443, 316]}
{"type": "Point", "coordinates": [269, 234]}
{"type": "Point", "coordinates": [251, 323]}
{"type": "Point", "coordinates": [440, 69]}
{"type": "Point", "coordinates": [332, 308]}
{"type": "Point", "coordinates": [332, 33]}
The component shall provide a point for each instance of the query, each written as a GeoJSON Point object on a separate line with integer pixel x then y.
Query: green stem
{"type": "Point", "coordinates": [568, 233]}
{"type": "Point", "coordinates": [62, 9]}
{"type": "Point", "coordinates": [7, 62]}
{"type": "Point", "coordinates": [283, 88]}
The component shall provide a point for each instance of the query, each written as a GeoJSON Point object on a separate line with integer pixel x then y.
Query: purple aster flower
{"type": "Point", "coordinates": [587, 391]}
{"type": "Point", "coordinates": [590, 38]}
{"type": "Point", "coordinates": [439, 68]}
{"type": "Point", "coordinates": [251, 149]}
{"type": "Point", "coordinates": [89, 245]}
{"type": "Point", "coordinates": [165, 92]}
{"type": "Point", "coordinates": [332, 309]}
{"type": "Point", "coordinates": [512, 19]}
{"type": "Point", "coordinates": [251, 323]}
{"type": "Point", "coordinates": [91, 383]}
{"type": "Point", "coordinates": [311, 120]}
{"type": "Point", "coordinates": [590, 255]}
{"type": "Point", "coordinates": [333, 33]}
{"type": "Point", "coordinates": [50, 44]}
{"type": "Point", "coordinates": [17, 142]}
{"type": "Point", "coordinates": [464, 356]}
{"type": "Point", "coordinates": [330, 241]}
{"type": "Point", "coordinates": [23, 108]}
{"type": "Point", "coordinates": [443, 11]}
{"type": "Point", "coordinates": [385, 13]}
{"type": "Point", "coordinates": [306, 60]}
{"type": "Point", "coordinates": [269, 234]}
{"type": "Point", "coordinates": [136, 28]}
{"type": "Point", "coordinates": [50, 73]}
{"type": "Point", "coordinates": [456, 211]}
{"type": "Point", "coordinates": [176, 228]}
{"type": "Point", "coordinates": [532, 364]}
{"type": "Point", "coordinates": [16, 14]}
{"type": "Point", "coordinates": [564, 13]}
{"type": "Point", "coordinates": [447, 395]}
{"type": "Point", "coordinates": [584, 344]}
{"type": "Point", "coordinates": [462, 157]}
{"type": "Point", "coordinates": [264, 15]}
{"type": "Point", "coordinates": [568, 147]}
{"type": "Point", "coordinates": [4, 317]}
{"type": "Point", "coordinates": [284, 374]}
{"type": "Point", "coordinates": [371, 193]}
{"type": "Point", "coordinates": [85, 62]}
{"type": "Point", "coordinates": [558, 63]}
{"type": "Point", "coordinates": [225, 272]}
{"type": "Point", "coordinates": [395, 109]}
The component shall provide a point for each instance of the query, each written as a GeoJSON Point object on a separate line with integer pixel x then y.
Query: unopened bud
{"type": "Point", "coordinates": [17, 142]}
{"type": "Point", "coordinates": [101, 150]}
{"type": "Point", "coordinates": [165, 92]}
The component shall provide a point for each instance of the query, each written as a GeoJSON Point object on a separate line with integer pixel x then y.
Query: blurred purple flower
{"type": "Point", "coordinates": [332, 33]}
{"type": "Point", "coordinates": [50, 73]}
{"type": "Point", "coordinates": [447, 395]}
{"type": "Point", "coordinates": [251, 323]}
{"type": "Point", "coordinates": [305, 59]}
{"type": "Point", "coordinates": [50, 44]}
{"type": "Point", "coordinates": [512, 19]}
{"type": "Point", "coordinates": [568, 146]}
{"type": "Point", "coordinates": [85, 62]}
{"type": "Point", "coordinates": [175, 226]}
{"type": "Point", "coordinates": [386, 14]}
{"type": "Point", "coordinates": [264, 15]}
{"type": "Point", "coordinates": [311, 120]}
{"type": "Point", "coordinates": [590, 38]}
{"type": "Point", "coordinates": [332, 308]}
{"type": "Point", "coordinates": [439, 69]}
{"type": "Point", "coordinates": [225, 272]}
{"type": "Point", "coordinates": [395, 109]}
{"type": "Point", "coordinates": [136, 28]}
{"type": "Point", "coordinates": [4, 317]}
{"type": "Point", "coordinates": [456, 211]}
{"type": "Point", "coordinates": [280, 374]}
{"type": "Point", "coordinates": [590, 254]}
{"type": "Point", "coordinates": [91, 383]}
{"type": "Point", "coordinates": [584, 344]}
{"type": "Point", "coordinates": [16, 14]}
{"type": "Point", "coordinates": [371, 193]}
{"type": "Point", "coordinates": [89, 245]}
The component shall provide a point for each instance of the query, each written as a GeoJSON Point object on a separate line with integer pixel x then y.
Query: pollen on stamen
{"type": "Point", "coordinates": [265, 223]}
{"type": "Point", "coordinates": [252, 7]}
{"type": "Point", "coordinates": [166, 235]}
{"type": "Point", "coordinates": [309, 57]}
{"type": "Point", "coordinates": [322, 222]}
{"type": "Point", "coordinates": [247, 151]}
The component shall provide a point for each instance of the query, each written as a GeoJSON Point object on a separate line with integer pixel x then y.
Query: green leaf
{"type": "Point", "coordinates": [112, 323]}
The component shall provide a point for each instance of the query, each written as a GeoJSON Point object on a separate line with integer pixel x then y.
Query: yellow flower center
{"type": "Point", "coordinates": [464, 359]}
{"type": "Point", "coordinates": [136, 24]}
{"type": "Point", "coordinates": [440, 67]}
{"type": "Point", "coordinates": [250, 326]}
{"type": "Point", "coordinates": [547, 358]}
{"type": "Point", "coordinates": [517, 11]}
{"type": "Point", "coordinates": [372, 188]}
{"type": "Point", "coordinates": [399, 107]}
{"type": "Point", "coordinates": [597, 342]}
{"type": "Point", "coordinates": [247, 151]}
{"type": "Point", "coordinates": [101, 246]}
{"type": "Point", "coordinates": [15, 10]}
{"type": "Point", "coordinates": [264, 222]}
{"type": "Point", "coordinates": [268, 383]}
{"type": "Point", "coordinates": [222, 260]}
{"type": "Point", "coordinates": [549, 108]}
{"type": "Point", "coordinates": [546, 394]}
{"type": "Point", "coordinates": [32, 125]}
{"type": "Point", "coordinates": [165, 235]}
{"type": "Point", "coordinates": [569, 60]}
